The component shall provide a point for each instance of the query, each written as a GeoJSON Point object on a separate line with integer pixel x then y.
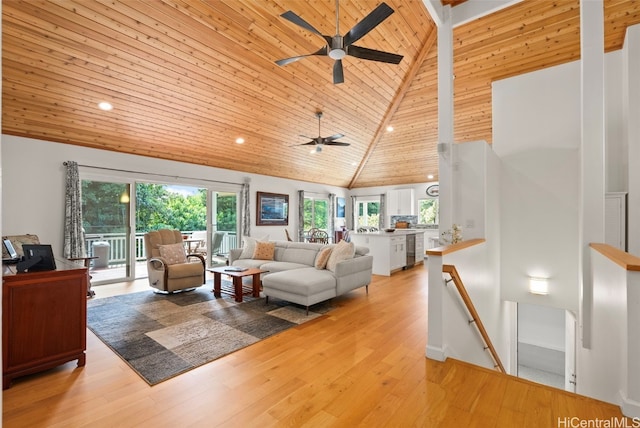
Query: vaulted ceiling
{"type": "Point", "coordinates": [188, 78]}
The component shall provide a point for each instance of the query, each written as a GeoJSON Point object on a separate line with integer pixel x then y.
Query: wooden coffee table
{"type": "Point", "coordinates": [237, 291]}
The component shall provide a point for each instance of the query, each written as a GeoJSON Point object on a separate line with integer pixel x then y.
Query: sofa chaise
{"type": "Point", "coordinates": [305, 273]}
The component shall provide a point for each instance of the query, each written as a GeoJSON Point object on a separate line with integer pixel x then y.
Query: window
{"type": "Point", "coordinates": [316, 213]}
{"type": "Point", "coordinates": [368, 214]}
{"type": "Point", "coordinates": [428, 211]}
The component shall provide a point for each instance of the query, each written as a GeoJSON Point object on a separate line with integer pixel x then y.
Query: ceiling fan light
{"type": "Point", "coordinates": [337, 54]}
{"type": "Point", "coordinates": [318, 149]}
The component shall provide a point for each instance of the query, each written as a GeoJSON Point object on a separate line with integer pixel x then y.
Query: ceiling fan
{"type": "Point", "coordinates": [323, 141]}
{"type": "Point", "coordinates": [339, 46]}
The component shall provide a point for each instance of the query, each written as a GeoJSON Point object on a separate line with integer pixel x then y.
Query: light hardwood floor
{"type": "Point", "coordinates": [362, 364]}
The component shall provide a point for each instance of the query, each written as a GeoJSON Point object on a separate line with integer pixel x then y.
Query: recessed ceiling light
{"type": "Point", "coordinates": [239, 140]}
{"type": "Point", "coordinates": [354, 163]}
{"type": "Point", "coordinates": [105, 106]}
{"type": "Point", "coordinates": [389, 128]}
{"type": "Point", "coordinates": [430, 176]}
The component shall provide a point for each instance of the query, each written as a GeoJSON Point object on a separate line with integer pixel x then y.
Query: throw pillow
{"type": "Point", "coordinates": [323, 257]}
{"type": "Point", "coordinates": [249, 246]}
{"type": "Point", "coordinates": [173, 253]}
{"type": "Point", "coordinates": [341, 251]}
{"type": "Point", "coordinates": [264, 250]}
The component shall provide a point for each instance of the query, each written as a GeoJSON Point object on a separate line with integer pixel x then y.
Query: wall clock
{"type": "Point", "coordinates": [433, 190]}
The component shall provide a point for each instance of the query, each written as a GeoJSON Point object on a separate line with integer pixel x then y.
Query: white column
{"type": "Point", "coordinates": [435, 339]}
{"type": "Point", "coordinates": [591, 151]}
{"type": "Point", "coordinates": [446, 161]}
{"type": "Point", "coordinates": [631, 92]}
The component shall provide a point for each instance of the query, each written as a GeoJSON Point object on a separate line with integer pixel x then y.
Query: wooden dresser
{"type": "Point", "coordinates": [44, 319]}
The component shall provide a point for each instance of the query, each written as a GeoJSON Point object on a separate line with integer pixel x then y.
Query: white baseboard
{"type": "Point", "coordinates": [438, 354]}
{"type": "Point", "coordinates": [630, 408]}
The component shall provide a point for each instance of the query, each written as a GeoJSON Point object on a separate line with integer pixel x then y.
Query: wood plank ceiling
{"type": "Point", "coordinates": [187, 78]}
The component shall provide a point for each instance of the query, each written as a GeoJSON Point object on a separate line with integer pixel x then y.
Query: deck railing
{"type": "Point", "coordinates": [117, 246]}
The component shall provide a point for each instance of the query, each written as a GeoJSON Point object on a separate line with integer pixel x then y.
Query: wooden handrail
{"type": "Point", "coordinates": [451, 270]}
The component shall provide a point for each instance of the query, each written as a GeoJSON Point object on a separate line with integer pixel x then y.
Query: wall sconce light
{"type": "Point", "coordinates": [538, 286]}
{"type": "Point", "coordinates": [124, 198]}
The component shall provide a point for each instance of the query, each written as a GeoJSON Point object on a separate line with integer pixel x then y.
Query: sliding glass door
{"type": "Point", "coordinates": [115, 221]}
{"type": "Point", "coordinates": [224, 226]}
{"type": "Point", "coordinates": [106, 212]}
{"type": "Point", "coordinates": [170, 206]}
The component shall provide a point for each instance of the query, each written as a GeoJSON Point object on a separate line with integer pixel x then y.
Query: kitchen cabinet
{"type": "Point", "coordinates": [44, 319]}
{"type": "Point", "coordinates": [400, 202]}
{"type": "Point", "coordinates": [398, 252]}
{"type": "Point", "coordinates": [389, 250]}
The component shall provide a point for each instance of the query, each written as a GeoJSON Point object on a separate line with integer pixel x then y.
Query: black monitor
{"type": "Point", "coordinates": [37, 258]}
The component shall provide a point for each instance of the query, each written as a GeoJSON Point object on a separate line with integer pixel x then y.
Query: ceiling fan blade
{"type": "Point", "coordinates": [337, 143]}
{"type": "Point", "coordinates": [292, 17]}
{"type": "Point", "coordinates": [338, 75]}
{"type": "Point", "coordinates": [374, 18]}
{"type": "Point", "coordinates": [373, 55]}
{"type": "Point", "coordinates": [322, 52]}
{"type": "Point", "coordinates": [310, 143]}
{"type": "Point", "coordinates": [332, 138]}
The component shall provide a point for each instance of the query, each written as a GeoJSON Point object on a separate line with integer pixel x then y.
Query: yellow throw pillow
{"type": "Point", "coordinates": [264, 250]}
{"type": "Point", "coordinates": [323, 257]}
{"type": "Point", "coordinates": [249, 246]}
{"type": "Point", "coordinates": [173, 253]}
{"type": "Point", "coordinates": [341, 251]}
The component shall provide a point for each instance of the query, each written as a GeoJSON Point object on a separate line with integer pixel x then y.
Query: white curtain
{"type": "Point", "coordinates": [74, 245]}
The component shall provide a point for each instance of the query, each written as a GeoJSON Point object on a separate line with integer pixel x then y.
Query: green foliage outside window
{"type": "Point", "coordinates": [368, 214]}
{"type": "Point", "coordinates": [156, 208]}
{"type": "Point", "coordinates": [428, 211]}
{"type": "Point", "coordinates": [315, 213]}
{"type": "Point", "coordinates": [101, 207]}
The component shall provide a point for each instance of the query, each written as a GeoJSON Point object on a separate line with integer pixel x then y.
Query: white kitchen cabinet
{"type": "Point", "coordinates": [615, 220]}
{"type": "Point", "coordinates": [400, 202]}
{"type": "Point", "coordinates": [398, 252]}
{"type": "Point", "coordinates": [389, 250]}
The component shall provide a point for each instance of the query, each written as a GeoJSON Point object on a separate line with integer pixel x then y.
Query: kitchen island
{"type": "Point", "coordinates": [392, 251]}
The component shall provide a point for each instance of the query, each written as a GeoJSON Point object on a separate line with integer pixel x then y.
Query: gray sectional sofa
{"type": "Point", "coordinates": [293, 276]}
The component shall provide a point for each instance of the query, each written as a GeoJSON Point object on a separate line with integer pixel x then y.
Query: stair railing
{"type": "Point", "coordinates": [475, 318]}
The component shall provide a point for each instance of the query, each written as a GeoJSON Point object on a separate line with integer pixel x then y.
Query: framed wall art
{"type": "Point", "coordinates": [272, 209]}
{"type": "Point", "coordinates": [340, 207]}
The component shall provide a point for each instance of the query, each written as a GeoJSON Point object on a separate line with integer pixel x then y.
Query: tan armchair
{"type": "Point", "coordinates": [170, 267]}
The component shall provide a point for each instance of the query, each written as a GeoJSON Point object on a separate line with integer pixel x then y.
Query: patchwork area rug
{"type": "Point", "coordinates": [162, 336]}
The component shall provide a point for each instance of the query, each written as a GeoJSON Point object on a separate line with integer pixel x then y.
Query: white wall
{"type": "Point", "coordinates": [616, 152]}
{"type": "Point", "coordinates": [33, 179]}
{"type": "Point", "coordinates": [536, 135]}
{"type": "Point", "coordinates": [604, 365]}
{"type": "Point", "coordinates": [541, 326]}
{"type": "Point", "coordinates": [470, 172]}
{"type": "Point", "coordinates": [450, 333]}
